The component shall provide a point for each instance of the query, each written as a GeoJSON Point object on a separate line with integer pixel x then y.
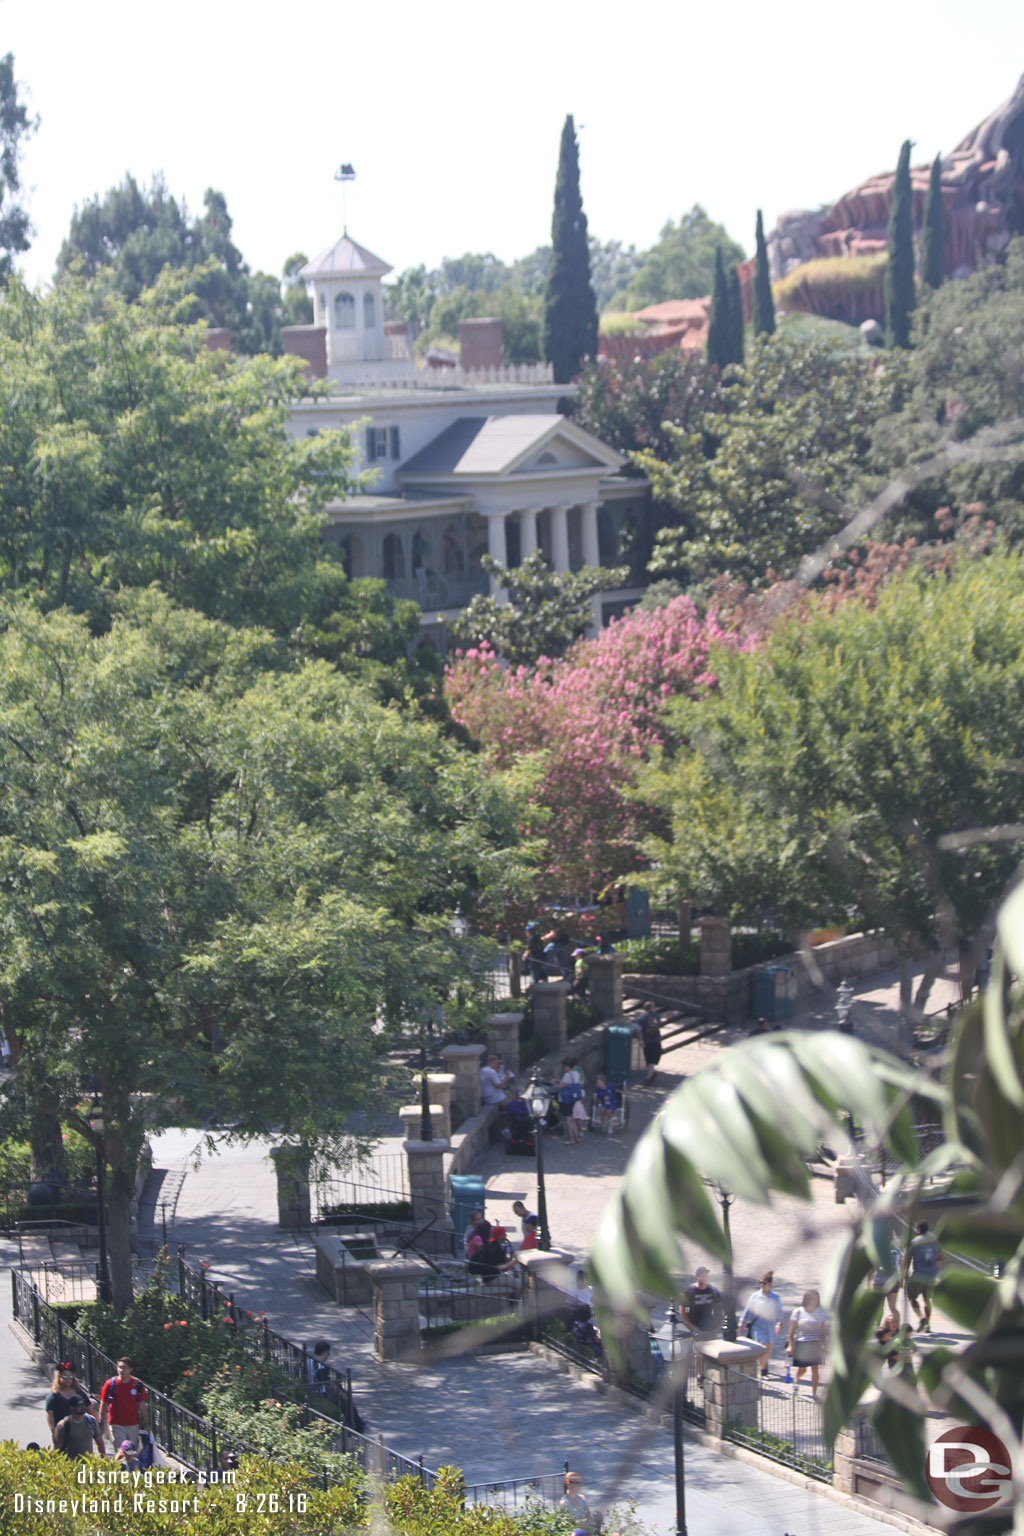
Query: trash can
{"type": "Point", "coordinates": [618, 1051]}
{"type": "Point", "coordinates": [774, 993]}
{"type": "Point", "coordinates": [467, 1196]}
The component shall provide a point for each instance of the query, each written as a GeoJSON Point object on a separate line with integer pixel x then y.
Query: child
{"type": "Point", "coordinates": [606, 1102]}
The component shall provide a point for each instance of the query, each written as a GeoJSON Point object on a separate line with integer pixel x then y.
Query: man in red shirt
{"type": "Point", "coordinates": [123, 1405]}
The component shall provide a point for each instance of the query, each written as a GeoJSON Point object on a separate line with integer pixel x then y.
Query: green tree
{"type": "Point", "coordinates": [751, 477]}
{"type": "Point", "coordinates": [682, 264]}
{"type": "Point", "coordinates": [899, 273]}
{"type": "Point", "coordinates": [719, 324]}
{"type": "Point", "coordinates": [132, 233]}
{"type": "Point", "coordinates": [735, 317]}
{"type": "Point", "coordinates": [544, 613]}
{"type": "Point", "coordinates": [764, 304]}
{"type": "Point", "coordinates": [223, 887]}
{"type": "Point", "coordinates": [839, 766]}
{"type": "Point", "coordinates": [15, 126]}
{"type": "Point", "coordinates": [931, 235]}
{"type": "Point", "coordinates": [570, 311]}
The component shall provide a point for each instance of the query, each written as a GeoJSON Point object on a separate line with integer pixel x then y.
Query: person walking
{"type": "Point", "coordinates": [64, 1388]}
{"type": "Point", "coordinates": [649, 1032]}
{"type": "Point", "coordinates": [808, 1333]}
{"type": "Point", "coordinates": [78, 1434]}
{"type": "Point", "coordinates": [123, 1405]}
{"type": "Point", "coordinates": [762, 1314]}
{"type": "Point", "coordinates": [924, 1257]}
{"type": "Point", "coordinates": [574, 1502]}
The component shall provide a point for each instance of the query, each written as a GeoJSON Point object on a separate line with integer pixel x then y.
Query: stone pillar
{"type": "Point", "coordinates": [588, 534]}
{"type": "Point", "coordinates": [411, 1116]}
{"type": "Point", "coordinates": [715, 947]}
{"type": "Point", "coordinates": [604, 976]}
{"type": "Point", "coordinates": [850, 1447]}
{"type": "Point", "coordinates": [396, 1307]}
{"type": "Point", "coordinates": [539, 1270]}
{"type": "Point", "coordinates": [732, 1383]}
{"type": "Point", "coordinates": [497, 550]}
{"type": "Point", "coordinates": [464, 1062]}
{"type": "Point", "coordinates": [503, 1029]}
{"type": "Point", "coordinates": [291, 1165]}
{"type": "Point", "coordinates": [426, 1179]}
{"type": "Point", "coordinates": [549, 1023]}
{"type": "Point", "coordinates": [560, 538]}
{"type": "Point", "coordinates": [440, 1085]}
{"type": "Point", "coordinates": [527, 533]}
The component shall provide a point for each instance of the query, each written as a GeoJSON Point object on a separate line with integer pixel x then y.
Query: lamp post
{"type": "Point", "coordinates": [538, 1097]}
{"type": "Point", "coordinates": [844, 1004]}
{"type": "Point", "coordinates": [725, 1199]}
{"type": "Point", "coordinates": [95, 1122]}
{"type": "Point", "coordinates": [426, 1124]}
{"type": "Point", "coordinates": [675, 1342]}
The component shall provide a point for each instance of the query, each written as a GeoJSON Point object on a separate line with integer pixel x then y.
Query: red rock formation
{"type": "Point", "coordinates": [982, 198]}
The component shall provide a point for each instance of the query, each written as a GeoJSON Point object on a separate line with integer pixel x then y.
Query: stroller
{"type": "Point", "coordinates": [518, 1133]}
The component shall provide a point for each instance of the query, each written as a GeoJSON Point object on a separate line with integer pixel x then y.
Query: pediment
{"type": "Point", "coordinates": [559, 452]}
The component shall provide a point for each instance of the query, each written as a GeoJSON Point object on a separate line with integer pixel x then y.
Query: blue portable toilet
{"type": "Point", "coordinates": [467, 1195]}
{"type": "Point", "coordinates": [618, 1051]}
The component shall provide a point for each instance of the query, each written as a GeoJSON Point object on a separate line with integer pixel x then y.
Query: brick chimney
{"type": "Point", "coordinates": [308, 342]}
{"type": "Point", "coordinates": [218, 338]}
{"type": "Point", "coordinates": [479, 344]}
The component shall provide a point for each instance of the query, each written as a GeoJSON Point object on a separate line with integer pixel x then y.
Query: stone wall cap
{"type": "Point", "coordinates": [397, 1269]}
{"type": "Point", "coordinates": [552, 987]}
{"type": "Point", "coordinates": [417, 1109]}
{"type": "Point", "coordinates": [504, 1018]}
{"type": "Point", "coordinates": [441, 1078]}
{"type": "Point", "coordinates": [728, 1351]}
{"type": "Point", "coordinates": [437, 1145]}
{"type": "Point", "coordinates": [463, 1050]}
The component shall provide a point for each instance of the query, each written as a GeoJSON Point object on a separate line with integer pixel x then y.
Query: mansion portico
{"type": "Point", "coordinates": [469, 461]}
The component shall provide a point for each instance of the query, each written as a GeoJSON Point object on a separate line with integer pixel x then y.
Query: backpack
{"type": "Point", "coordinates": [569, 1094]}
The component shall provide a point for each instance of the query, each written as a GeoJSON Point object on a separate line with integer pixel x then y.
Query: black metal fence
{"type": "Point", "coordinates": [382, 1182]}
{"type": "Point", "coordinates": [458, 1299]}
{"type": "Point", "coordinates": [788, 1426]}
{"type": "Point", "coordinates": [292, 1362]}
{"type": "Point", "coordinates": [632, 1360]}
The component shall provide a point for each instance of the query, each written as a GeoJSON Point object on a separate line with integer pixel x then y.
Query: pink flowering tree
{"type": "Point", "coordinates": [584, 724]}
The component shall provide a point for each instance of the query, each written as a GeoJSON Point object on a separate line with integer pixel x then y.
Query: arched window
{"type": "Point", "coordinates": [352, 556]}
{"type": "Point", "coordinates": [393, 558]}
{"type": "Point", "coordinates": [344, 312]}
{"type": "Point", "coordinates": [369, 313]}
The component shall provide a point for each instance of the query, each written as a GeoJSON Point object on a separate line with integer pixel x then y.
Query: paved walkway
{"type": "Point", "coordinates": [508, 1415]}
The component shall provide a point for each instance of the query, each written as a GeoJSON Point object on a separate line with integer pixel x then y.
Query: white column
{"type": "Point", "coordinates": [527, 533]}
{"type": "Point", "coordinates": [497, 550]}
{"type": "Point", "coordinates": [588, 530]}
{"type": "Point", "coordinates": [560, 538]}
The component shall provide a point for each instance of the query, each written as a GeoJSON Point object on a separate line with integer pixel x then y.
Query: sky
{"type": "Point", "coordinates": [451, 113]}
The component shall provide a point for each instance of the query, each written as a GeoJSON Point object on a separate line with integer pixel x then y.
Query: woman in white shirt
{"type": "Point", "coordinates": [763, 1313]}
{"type": "Point", "coordinates": [808, 1329]}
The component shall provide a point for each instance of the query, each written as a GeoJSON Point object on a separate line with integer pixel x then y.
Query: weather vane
{"type": "Point", "coordinates": [345, 173]}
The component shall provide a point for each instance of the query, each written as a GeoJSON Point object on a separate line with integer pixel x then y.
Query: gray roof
{"type": "Point", "coordinates": [342, 258]}
{"type": "Point", "coordinates": [480, 445]}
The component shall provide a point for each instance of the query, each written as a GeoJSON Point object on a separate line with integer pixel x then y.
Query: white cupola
{"type": "Point", "coordinates": [347, 302]}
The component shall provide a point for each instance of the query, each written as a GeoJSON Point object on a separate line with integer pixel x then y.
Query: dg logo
{"type": "Point", "coordinates": [968, 1468]}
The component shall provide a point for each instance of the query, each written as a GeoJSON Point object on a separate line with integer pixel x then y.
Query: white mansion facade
{"type": "Point", "coordinates": [468, 461]}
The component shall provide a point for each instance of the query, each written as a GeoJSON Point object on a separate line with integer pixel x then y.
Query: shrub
{"type": "Point", "coordinates": [579, 1016]}
{"type": "Point", "coordinates": [349, 1213]}
{"type": "Point", "coordinates": [758, 948]}
{"type": "Point", "coordinates": [660, 957]}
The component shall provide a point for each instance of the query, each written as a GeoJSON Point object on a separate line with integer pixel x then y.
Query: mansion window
{"type": "Point", "coordinates": [344, 312]}
{"type": "Point", "coordinates": [368, 312]}
{"type": "Point", "coordinates": [383, 443]}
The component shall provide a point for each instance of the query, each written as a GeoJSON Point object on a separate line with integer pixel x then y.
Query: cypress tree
{"type": "Point", "coordinates": [735, 317]}
{"type": "Point", "coordinates": [931, 238]}
{"type": "Point", "coordinates": [718, 324]}
{"type": "Point", "coordinates": [764, 304]}
{"type": "Point", "coordinates": [570, 309]}
{"type": "Point", "coordinates": [899, 275]}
